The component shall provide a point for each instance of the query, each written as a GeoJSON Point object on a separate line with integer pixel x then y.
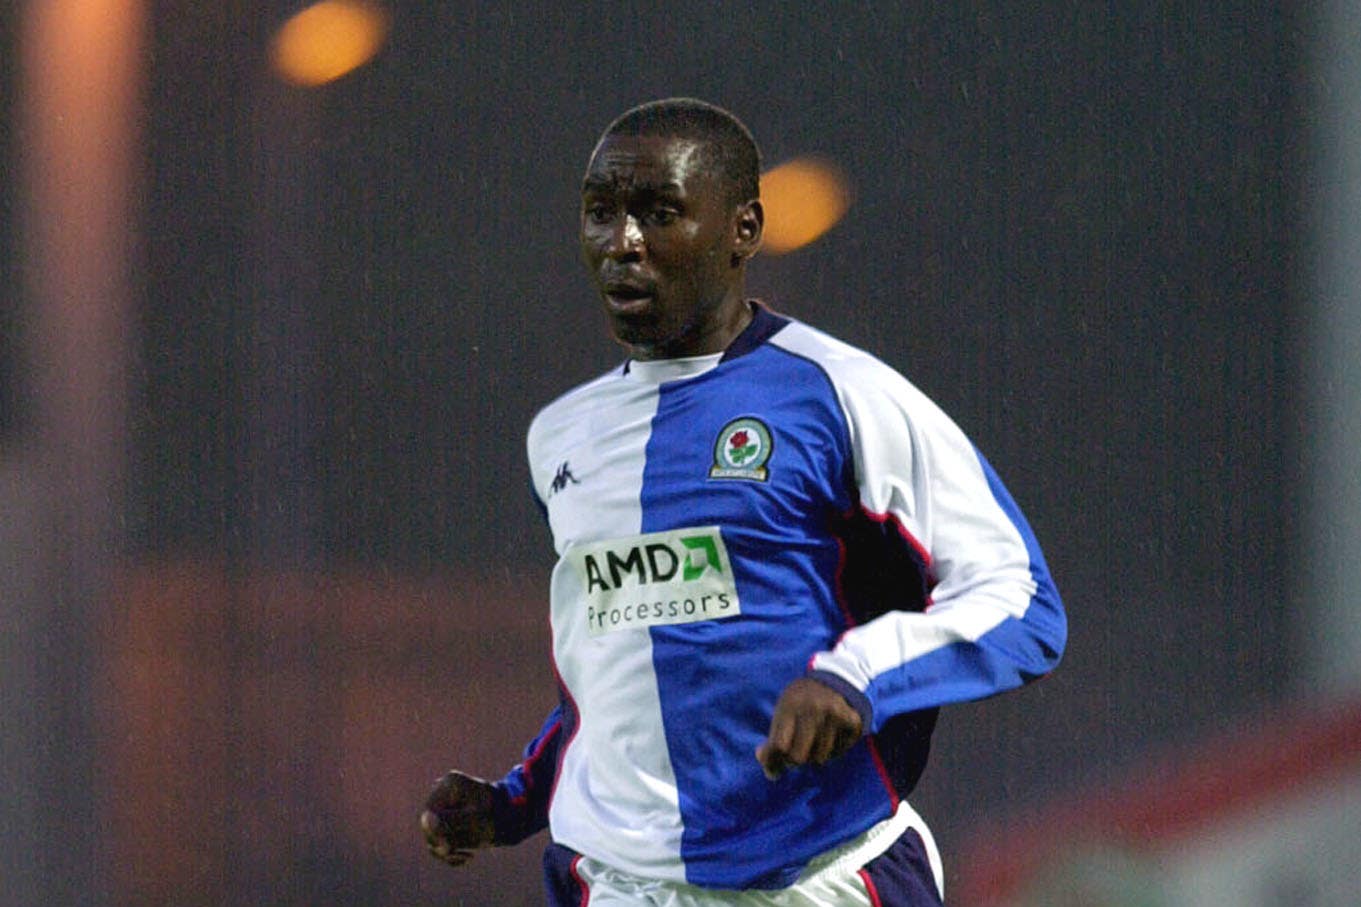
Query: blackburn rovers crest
{"type": "Point", "coordinates": [742, 450]}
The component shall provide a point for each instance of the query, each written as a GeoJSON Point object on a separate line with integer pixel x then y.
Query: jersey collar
{"type": "Point", "coordinates": [764, 325]}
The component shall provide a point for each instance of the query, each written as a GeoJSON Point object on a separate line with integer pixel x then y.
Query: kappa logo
{"type": "Point", "coordinates": [741, 451]}
{"type": "Point", "coordinates": [562, 479]}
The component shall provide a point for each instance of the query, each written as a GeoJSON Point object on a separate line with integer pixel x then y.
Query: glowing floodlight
{"type": "Point", "coordinates": [803, 199]}
{"type": "Point", "coordinates": [327, 40]}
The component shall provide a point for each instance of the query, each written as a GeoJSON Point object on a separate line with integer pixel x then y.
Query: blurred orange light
{"type": "Point", "coordinates": [327, 40]}
{"type": "Point", "coordinates": [803, 199]}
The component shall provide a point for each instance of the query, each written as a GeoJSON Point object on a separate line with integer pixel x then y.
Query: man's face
{"type": "Point", "coordinates": [657, 232]}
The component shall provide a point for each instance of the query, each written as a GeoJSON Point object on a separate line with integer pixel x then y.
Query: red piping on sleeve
{"type": "Point", "coordinates": [912, 540]}
{"type": "Point", "coordinates": [528, 765]}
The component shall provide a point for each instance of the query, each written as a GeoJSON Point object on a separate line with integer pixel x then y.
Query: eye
{"type": "Point", "coordinates": [663, 215]}
{"type": "Point", "coordinates": [598, 212]}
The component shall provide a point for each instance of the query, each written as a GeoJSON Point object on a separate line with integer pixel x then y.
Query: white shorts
{"type": "Point", "coordinates": [841, 877]}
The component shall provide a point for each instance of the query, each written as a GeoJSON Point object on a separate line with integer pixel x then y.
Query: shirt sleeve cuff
{"type": "Point", "coordinates": [512, 820]}
{"type": "Point", "coordinates": [858, 700]}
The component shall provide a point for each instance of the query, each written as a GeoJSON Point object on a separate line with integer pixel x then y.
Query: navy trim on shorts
{"type": "Point", "coordinates": [901, 876]}
{"type": "Point", "coordinates": [562, 884]}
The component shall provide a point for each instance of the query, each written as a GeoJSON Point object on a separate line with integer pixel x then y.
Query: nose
{"type": "Point", "coordinates": [626, 240]}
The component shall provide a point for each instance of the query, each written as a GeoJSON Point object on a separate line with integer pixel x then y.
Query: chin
{"type": "Point", "coordinates": [636, 332]}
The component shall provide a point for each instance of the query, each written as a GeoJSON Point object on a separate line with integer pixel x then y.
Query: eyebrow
{"type": "Point", "coordinates": [609, 184]}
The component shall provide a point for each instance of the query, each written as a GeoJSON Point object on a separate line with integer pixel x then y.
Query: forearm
{"type": "Point", "coordinates": [520, 798]}
{"type": "Point", "coordinates": [969, 647]}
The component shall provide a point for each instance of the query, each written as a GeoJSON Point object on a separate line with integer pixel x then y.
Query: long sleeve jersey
{"type": "Point", "coordinates": [724, 525]}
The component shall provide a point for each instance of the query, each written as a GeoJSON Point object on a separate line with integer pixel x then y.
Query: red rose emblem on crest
{"type": "Point", "coordinates": [741, 450]}
{"type": "Point", "coordinates": [740, 447]}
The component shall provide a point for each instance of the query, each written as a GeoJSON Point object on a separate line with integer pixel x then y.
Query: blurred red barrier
{"type": "Point", "coordinates": [268, 733]}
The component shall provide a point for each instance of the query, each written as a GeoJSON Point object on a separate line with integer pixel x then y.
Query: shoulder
{"type": "Point", "coordinates": [571, 408]}
{"type": "Point", "coordinates": [887, 416]}
{"type": "Point", "coordinates": [853, 372]}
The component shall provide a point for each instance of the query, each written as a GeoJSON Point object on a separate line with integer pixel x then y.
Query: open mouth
{"type": "Point", "coordinates": [627, 297]}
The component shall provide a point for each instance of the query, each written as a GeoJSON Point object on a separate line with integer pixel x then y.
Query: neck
{"type": "Point", "coordinates": [711, 335]}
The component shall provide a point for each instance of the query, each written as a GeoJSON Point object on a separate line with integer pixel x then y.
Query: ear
{"type": "Point", "coordinates": [748, 223]}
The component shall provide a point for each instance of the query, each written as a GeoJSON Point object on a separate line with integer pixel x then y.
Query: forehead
{"type": "Point", "coordinates": [649, 162]}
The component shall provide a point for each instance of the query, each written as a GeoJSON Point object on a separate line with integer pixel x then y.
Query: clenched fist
{"type": "Point", "coordinates": [813, 723]}
{"type": "Point", "coordinates": [457, 819]}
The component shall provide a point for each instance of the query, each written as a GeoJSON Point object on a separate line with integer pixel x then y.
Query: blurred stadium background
{"type": "Point", "coordinates": [276, 306]}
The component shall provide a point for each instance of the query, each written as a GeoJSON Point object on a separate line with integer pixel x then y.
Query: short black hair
{"type": "Point", "coordinates": [730, 145]}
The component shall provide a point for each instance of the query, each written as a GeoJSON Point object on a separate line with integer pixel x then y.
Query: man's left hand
{"type": "Point", "coordinates": [813, 723]}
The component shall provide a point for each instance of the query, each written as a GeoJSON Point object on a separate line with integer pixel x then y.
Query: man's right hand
{"type": "Point", "coordinates": [457, 819]}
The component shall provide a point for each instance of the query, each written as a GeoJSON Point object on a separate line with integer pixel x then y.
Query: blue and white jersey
{"type": "Point", "coordinates": [725, 525]}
